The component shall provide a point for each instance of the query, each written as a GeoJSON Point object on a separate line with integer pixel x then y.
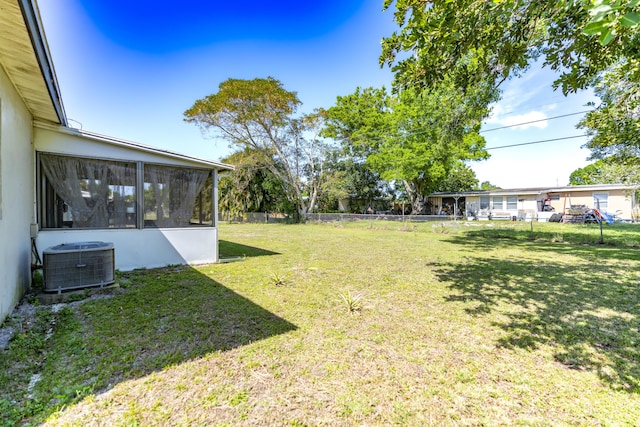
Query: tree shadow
{"type": "Point", "coordinates": [589, 313]}
{"type": "Point", "coordinates": [231, 249]}
{"type": "Point", "coordinates": [582, 245]}
{"type": "Point", "coordinates": [158, 318]}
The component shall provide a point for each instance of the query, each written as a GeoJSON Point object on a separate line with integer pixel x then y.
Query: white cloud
{"type": "Point", "coordinates": [536, 119]}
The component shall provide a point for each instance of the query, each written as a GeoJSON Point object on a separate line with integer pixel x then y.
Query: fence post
{"type": "Point", "coordinates": [599, 217]}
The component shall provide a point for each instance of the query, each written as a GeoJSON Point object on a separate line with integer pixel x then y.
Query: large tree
{"type": "Point", "coordinates": [486, 185]}
{"type": "Point", "coordinates": [607, 171]}
{"type": "Point", "coordinates": [614, 124]}
{"type": "Point", "coordinates": [251, 187]}
{"type": "Point", "coordinates": [461, 178]}
{"type": "Point", "coordinates": [492, 40]}
{"type": "Point", "coordinates": [350, 178]}
{"type": "Point", "coordinates": [259, 115]}
{"type": "Point", "coordinates": [416, 137]}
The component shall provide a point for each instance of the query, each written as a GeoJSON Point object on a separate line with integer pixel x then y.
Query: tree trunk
{"type": "Point", "coordinates": [418, 200]}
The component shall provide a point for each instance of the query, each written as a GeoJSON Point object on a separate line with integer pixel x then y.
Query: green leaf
{"type": "Point", "coordinates": [630, 20]}
{"type": "Point", "coordinates": [594, 28]}
{"type": "Point", "coordinates": [603, 9]}
{"type": "Point", "coordinates": [598, 13]}
{"type": "Point", "coordinates": [606, 36]}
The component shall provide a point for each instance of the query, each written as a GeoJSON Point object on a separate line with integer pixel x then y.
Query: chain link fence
{"type": "Point", "coordinates": [275, 218]}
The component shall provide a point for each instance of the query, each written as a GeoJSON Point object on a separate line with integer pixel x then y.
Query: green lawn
{"type": "Point", "coordinates": [369, 323]}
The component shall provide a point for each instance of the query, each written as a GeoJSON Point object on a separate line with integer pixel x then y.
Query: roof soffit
{"type": "Point", "coordinates": [20, 62]}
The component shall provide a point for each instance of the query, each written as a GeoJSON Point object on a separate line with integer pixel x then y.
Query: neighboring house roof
{"type": "Point", "coordinates": [26, 60]}
{"type": "Point", "coordinates": [535, 190]}
{"type": "Point", "coordinates": [133, 146]}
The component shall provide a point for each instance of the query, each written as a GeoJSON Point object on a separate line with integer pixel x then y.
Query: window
{"type": "Point", "coordinates": [497, 202]}
{"type": "Point", "coordinates": [484, 202]}
{"type": "Point", "coordinates": [87, 193]}
{"type": "Point", "coordinates": [601, 200]}
{"type": "Point", "coordinates": [76, 192]}
{"type": "Point", "coordinates": [512, 203]}
{"type": "Point", "coordinates": [203, 209]}
{"type": "Point", "coordinates": [170, 195]}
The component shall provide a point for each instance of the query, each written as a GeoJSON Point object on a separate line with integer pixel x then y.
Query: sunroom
{"type": "Point", "coordinates": [158, 208]}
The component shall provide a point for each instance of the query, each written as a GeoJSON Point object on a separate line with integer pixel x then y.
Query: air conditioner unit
{"type": "Point", "coordinates": [78, 265]}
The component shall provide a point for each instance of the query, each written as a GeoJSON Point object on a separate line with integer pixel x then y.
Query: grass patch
{"type": "Point", "coordinates": [465, 323]}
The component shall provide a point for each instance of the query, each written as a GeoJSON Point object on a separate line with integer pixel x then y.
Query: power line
{"type": "Point", "coordinates": [514, 110]}
{"type": "Point", "coordinates": [535, 142]}
{"type": "Point", "coordinates": [534, 121]}
{"type": "Point", "coordinates": [420, 131]}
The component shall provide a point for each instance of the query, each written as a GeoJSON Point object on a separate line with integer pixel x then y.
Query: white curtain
{"type": "Point", "coordinates": [91, 189]}
{"type": "Point", "coordinates": [171, 192]}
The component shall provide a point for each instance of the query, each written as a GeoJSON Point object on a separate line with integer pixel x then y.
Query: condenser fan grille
{"type": "Point", "coordinates": [78, 265]}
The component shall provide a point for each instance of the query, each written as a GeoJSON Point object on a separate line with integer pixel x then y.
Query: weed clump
{"type": "Point", "coordinates": [278, 280]}
{"type": "Point", "coordinates": [353, 302]}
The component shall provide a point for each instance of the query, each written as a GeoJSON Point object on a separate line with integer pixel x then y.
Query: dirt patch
{"type": "Point", "coordinates": [24, 314]}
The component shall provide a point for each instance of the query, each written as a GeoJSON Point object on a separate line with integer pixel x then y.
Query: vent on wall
{"type": "Point", "coordinates": [78, 265]}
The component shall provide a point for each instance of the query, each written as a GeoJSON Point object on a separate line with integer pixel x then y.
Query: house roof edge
{"type": "Point", "coordinates": [130, 144]}
{"type": "Point", "coordinates": [33, 22]}
{"type": "Point", "coordinates": [535, 190]}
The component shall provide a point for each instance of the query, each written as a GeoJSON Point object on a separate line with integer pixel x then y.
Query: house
{"type": "Point", "coordinates": [61, 185]}
{"type": "Point", "coordinates": [536, 203]}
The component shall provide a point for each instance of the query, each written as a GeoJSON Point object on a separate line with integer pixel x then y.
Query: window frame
{"type": "Point", "coordinates": [512, 203]}
{"type": "Point", "coordinates": [44, 199]}
{"type": "Point", "coordinates": [500, 205]}
{"type": "Point", "coordinates": [487, 203]}
{"type": "Point", "coordinates": [597, 199]}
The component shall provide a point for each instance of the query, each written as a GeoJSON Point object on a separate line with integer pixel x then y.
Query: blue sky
{"type": "Point", "coordinates": [130, 69]}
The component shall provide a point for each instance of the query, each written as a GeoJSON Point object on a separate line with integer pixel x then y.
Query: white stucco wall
{"type": "Point", "coordinates": [147, 248]}
{"type": "Point", "coordinates": [527, 203]}
{"type": "Point", "coordinates": [133, 248]}
{"type": "Point", "coordinates": [16, 196]}
{"type": "Point", "coordinates": [59, 142]}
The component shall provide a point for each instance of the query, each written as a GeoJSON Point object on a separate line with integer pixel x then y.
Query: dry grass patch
{"type": "Point", "coordinates": [457, 325]}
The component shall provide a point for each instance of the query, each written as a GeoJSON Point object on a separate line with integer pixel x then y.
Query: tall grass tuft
{"type": "Point", "coordinates": [353, 302]}
{"type": "Point", "coordinates": [278, 279]}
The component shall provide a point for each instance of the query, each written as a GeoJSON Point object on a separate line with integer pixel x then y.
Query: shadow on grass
{"type": "Point", "coordinates": [160, 318]}
{"type": "Point", "coordinates": [588, 312]}
{"type": "Point", "coordinates": [582, 243]}
{"type": "Point", "coordinates": [231, 249]}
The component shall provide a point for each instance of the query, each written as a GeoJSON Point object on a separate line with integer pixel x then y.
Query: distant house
{"type": "Point", "coordinates": [537, 203]}
{"type": "Point", "coordinates": [61, 185]}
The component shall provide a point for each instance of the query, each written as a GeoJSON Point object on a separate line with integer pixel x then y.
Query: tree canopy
{"type": "Point", "coordinates": [589, 43]}
{"type": "Point", "coordinates": [614, 125]}
{"type": "Point", "coordinates": [607, 171]}
{"type": "Point", "coordinates": [486, 185]}
{"type": "Point", "coordinates": [495, 39]}
{"type": "Point", "coordinates": [417, 137]}
{"type": "Point", "coordinates": [461, 178]}
{"type": "Point", "coordinates": [348, 178]}
{"type": "Point", "coordinates": [259, 115]}
{"type": "Point", "coordinates": [251, 187]}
